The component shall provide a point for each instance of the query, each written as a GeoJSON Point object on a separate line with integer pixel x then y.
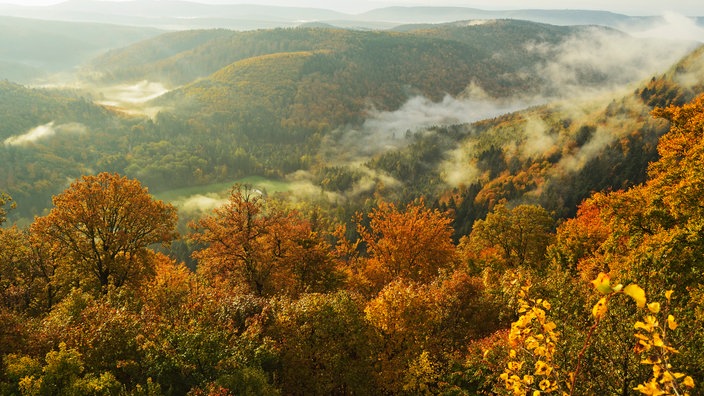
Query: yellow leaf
{"type": "Point", "coordinates": [688, 382]}
{"type": "Point", "coordinates": [668, 295]}
{"type": "Point", "coordinates": [671, 322]}
{"type": "Point", "coordinates": [602, 283]}
{"type": "Point", "coordinates": [544, 384]}
{"type": "Point", "coordinates": [599, 308]}
{"type": "Point", "coordinates": [641, 336]}
{"type": "Point", "coordinates": [550, 326]}
{"type": "Point", "coordinates": [667, 377]}
{"type": "Point", "coordinates": [515, 366]}
{"type": "Point", "coordinates": [542, 368]}
{"type": "Point", "coordinates": [636, 293]}
{"type": "Point", "coordinates": [657, 341]}
{"type": "Point", "coordinates": [654, 307]}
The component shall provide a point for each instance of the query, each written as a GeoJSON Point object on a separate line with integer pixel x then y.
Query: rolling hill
{"type": "Point", "coordinates": [554, 155]}
{"type": "Point", "coordinates": [295, 104]}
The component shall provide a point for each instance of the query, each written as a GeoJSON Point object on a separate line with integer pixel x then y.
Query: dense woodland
{"type": "Point", "coordinates": [465, 260]}
{"type": "Point", "coordinates": [282, 302]}
{"type": "Point", "coordinates": [269, 102]}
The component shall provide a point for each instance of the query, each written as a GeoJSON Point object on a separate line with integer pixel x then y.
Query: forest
{"type": "Point", "coordinates": [273, 103]}
{"type": "Point", "coordinates": [282, 301]}
{"type": "Point", "coordinates": [544, 235]}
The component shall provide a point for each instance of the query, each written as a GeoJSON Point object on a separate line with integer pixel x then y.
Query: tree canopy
{"type": "Point", "coordinates": [105, 223]}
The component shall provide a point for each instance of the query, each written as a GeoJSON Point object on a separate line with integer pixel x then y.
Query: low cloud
{"type": "Point", "coordinates": [132, 99]}
{"type": "Point", "coordinates": [590, 64]}
{"type": "Point", "coordinates": [126, 95]}
{"type": "Point", "coordinates": [600, 60]}
{"type": "Point", "coordinates": [44, 132]}
{"type": "Point", "coordinates": [538, 138]}
{"type": "Point", "coordinates": [386, 130]}
{"type": "Point", "coordinates": [200, 203]}
{"type": "Point", "coordinates": [673, 26]}
{"type": "Point", "coordinates": [457, 169]}
{"type": "Point", "coordinates": [600, 140]}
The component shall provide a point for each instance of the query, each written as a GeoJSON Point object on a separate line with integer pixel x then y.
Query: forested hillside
{"type": "Point", "coordinates": [253, 103]}
{"type": "Point", "coordinates": [293, 105]}
{"type": "Point", "coordinates": [478, 207]}
{"type": "Point", "coordinates": [281, 302]}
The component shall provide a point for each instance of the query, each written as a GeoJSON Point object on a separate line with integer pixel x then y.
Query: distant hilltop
{"type": "Point", "coordinates": [182, 15]}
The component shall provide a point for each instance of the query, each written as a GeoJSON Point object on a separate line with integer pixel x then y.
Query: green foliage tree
{"type": "Point", "coordinates": [518, 236]}
{"type": "Point", "coordinates": [326, 345]}
{"type": "Point", "coordinates": [63, 374]}
{"type": "Point", "coordinates": [5, 200]}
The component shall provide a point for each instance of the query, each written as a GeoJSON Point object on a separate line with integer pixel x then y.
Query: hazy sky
{"type": "Point", "coordinates": [631, 7]}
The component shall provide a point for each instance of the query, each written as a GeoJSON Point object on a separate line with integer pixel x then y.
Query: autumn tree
{"type": "Point", "coordinates": [577, 241]}
{"type": "Point", "coordinates": [14, 255]}
{"type": "Point", "coordinates": [251, 242]}
{"type": "Point", "coordinates": [414, 243]}
{"type": "Point", "coordinates": [405, 313]}
{"type": "Point", "coordinates": [30, 272]}
{"type": "Point", "coordinates": [5, 200]}
{"type": "Point", "coordinates": [105, 224]}
{"type": "Point", "coordinates": [650, 234]}
{"type": "Point", "coordinates": [326, 345]}
{"type": "Point", "coordinates": [514, 237]}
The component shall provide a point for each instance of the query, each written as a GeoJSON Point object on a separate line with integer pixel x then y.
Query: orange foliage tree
{"type": "Point", "coordinates": [414, 244]}
{"type": "Point", "coordinates": [105, 223]}
{"type": "Point", "coordinates": [251, 243]}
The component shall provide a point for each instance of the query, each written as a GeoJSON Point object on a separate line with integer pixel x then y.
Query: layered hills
{"type": "Point", "coordinates": [185, 15]}
{"type": "Point", "coordinates": [31, 49]}
{"type": "Point", "coordinates": [359, 212]}
{"type": "Point", "coordinates": [347, 112]}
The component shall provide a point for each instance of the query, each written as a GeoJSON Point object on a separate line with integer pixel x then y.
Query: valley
{"type": "Point", "coordinates": [225, 199]}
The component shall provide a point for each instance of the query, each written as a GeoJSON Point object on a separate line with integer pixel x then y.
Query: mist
{"type": "Point", "coordinates": [387, 130]}
{"type": "Point", "coordinates": [199, 204]}
{"type": "Point", "coordinates": [600, 61]}
{"type": "Point", "coordinates": [672, 27]}
{"type": "Point", "coordinates": [44, 132]}
{"type": "Point", "coordinates": [591, 67]}
{"type": "Point", "coordinates": [126, 94]}
{"type": "Point", "coordinates": [131, 98]}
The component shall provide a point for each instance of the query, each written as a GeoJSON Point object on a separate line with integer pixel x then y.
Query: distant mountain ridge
{"type": "Point", "coordinates": [31, 49]}
{"type": "Point", "coordinates": [180, 15]}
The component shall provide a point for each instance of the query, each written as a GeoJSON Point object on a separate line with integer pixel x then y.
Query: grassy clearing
{"type": "Point", "coordinates": [222, 189]}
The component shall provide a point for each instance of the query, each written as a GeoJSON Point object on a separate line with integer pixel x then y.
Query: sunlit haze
{"type": "Point", "coordinates": [631, 7]}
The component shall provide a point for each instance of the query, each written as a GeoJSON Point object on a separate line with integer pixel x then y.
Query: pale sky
{"type": "Point", "coordinates": [629, 7]}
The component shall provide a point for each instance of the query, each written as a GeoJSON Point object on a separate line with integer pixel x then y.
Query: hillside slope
{"type": "Point", "coordinates": [554, 155]}
{"type": "Point", "coordinates": [311, 105]}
